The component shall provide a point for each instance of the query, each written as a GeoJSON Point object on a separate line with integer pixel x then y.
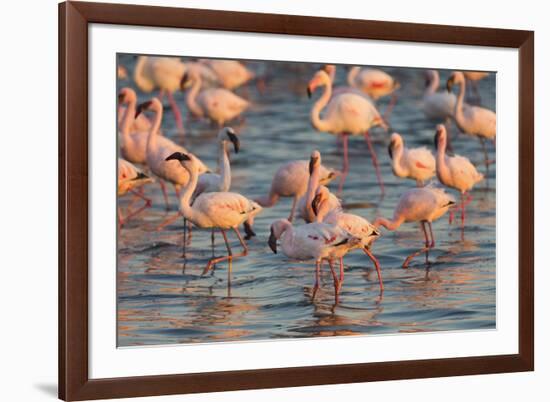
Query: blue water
{"type": "Point", "coordinates": [163, 299]}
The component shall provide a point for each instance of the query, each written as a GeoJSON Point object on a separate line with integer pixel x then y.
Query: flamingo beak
{"type": "Point", "coordinates": [178, 156]}
{"type": "Point", "coordinates": [309, 92]}
{"type": "Point", "coordinates": [120, 98]}
{"type": "Point", "coordinates": [183, 81]}
{"type": "Point", "coordinates": [315, 204]}
{"type": "Point", "coordinates": [272, 242]}
{"type": "Point", "coordinates": [450, 84]}
{"type": "Point", "coordinates": [312, 162]}
{"type": "Point", "coordinates": [235, 140]}
{"type": "Point", "coordinates": [436, 138]}
{"type": "Point", "coordinates": [390, 149]}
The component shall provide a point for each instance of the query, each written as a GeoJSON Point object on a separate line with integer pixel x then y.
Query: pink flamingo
{"type": "Point", "coordinates": [216, 104]}
{"type": "Point", "coordinates": [455, 171]}
{"type": "Point", "coordinates": [158, 148]}
{"type": "Point", "coordinates": [218, 210]}
{"type": "Point", "coordinates": [130, 177]}
{"type": "Point", "coordinates": [164, 73]}
{"type": "Point", "coordinates": [424, 205]}
{"type": "Point", "coordinates": [347, 114]}
{"type": "Point", "coordinates": [351, 223]}
{"type": "Point", "coordinates": [472, 120]}
{"type": "Point", "coordinates": [411, 163]}
{"type": "Point", "coordinates": [313, 241]}
{"type": "Point", "coordinates": [291, 180]}
{"type": "Point", "coordinates": [437, 105]}
{"type": "Point", "coordinates": [231, 74]}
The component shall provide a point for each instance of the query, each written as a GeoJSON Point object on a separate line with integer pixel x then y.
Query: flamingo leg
{"type": "Point", "coordinates": [432, 243]}
{"type": "Point", "coordinates": [176, 111]}
{"type": "Point", "coordinates": [377, 266]}
{"type": "Point", "coordinates": [390, 107]}
{"type": "Point", "coordinates": [161, 94]}
{"type": "Point", "coordinates": [184, 255]}
{"type": "Point", "coordinates": [462, 209]}
{"type": "Point", "coordinates": [335, 280]}
{"type": "Point", "coordinates": [293, 209]}
{"type": "Point", "coordinates": [317, 279]}
{"type": "Point", "coordinates": [230, 256]}
{"type": "Point", "coordinates": [164, 194]}
{"type": "Point", "coordinates": [140, 195]}
{"type": "Point", "coordinates": [374, 161]}
{"type": "Point", "coordinates": [345, 165]}
{"type": "Point", "coordinates": [422, 250]}
{"type": "Point", "coordinates": [213, 238]}
{"type": "Point", "coordinates": [137, 211]}
{"type": "Point", "coordinates": [341, 279]}
{"type": "Point", "coordinates": [486, 155]}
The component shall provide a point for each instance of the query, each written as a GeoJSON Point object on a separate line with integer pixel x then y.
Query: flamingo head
{"type": "Point", "coordinates": [126, 95]}
{"type": "Point", "coordinates": [330, 69]}
{"type": "Point", "coordinates": [440, 138]}
{"type": "Point", "coordinates": [188, 161]}
{"type": "Point", "coordinates": [314, 161]}
{"type": "Point", "coordinates": [227, 134]}
{"type": "Point", "coordinates": [322, 194]}
{"type": "Point", "coordinates": [277, 229]}
{"type": "Point", "coordinates": [396, 141]}
{"type": "Point", "coordinates": [456, 78]}
{"type": "Point", "coordinates": [379, 121]}
{"type": "Point", "coordinates": [187, 79]}
{"type": "Point", "coordinates": [320, 78]}
{"type": "Point", "coordinates": [153, 104]}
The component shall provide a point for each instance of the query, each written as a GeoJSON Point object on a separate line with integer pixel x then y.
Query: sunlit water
{"type": "Point", "coordinates": [162, 299]}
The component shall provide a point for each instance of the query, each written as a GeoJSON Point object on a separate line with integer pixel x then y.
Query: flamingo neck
{"type": "Point", "coordinates": [225, 167]}
{"type": "Point", "coordinates": [459, 113]}
{"type": "Point", "coordinates": [192, 98]}
{"type": "Point", "coordinates": [442, 169]}
{"type": "Point", "coordinates": [434, 85]}
{"type": "Point", "coordinates": [312, 185]}
{"type": "Point", "coordinates": [323, 211]}
{"type": "Point", "coordinates": [352, 75]}
{"type": "Point", "coordinates": [316, 121]}
{"type": "Point", "coordinates": [389, 224]}
{"type": "Point", "coordinates": [397, 160]}
{"type": "Point", "coordinates": [127, 120]}
{"type": "Point", "coordinates": [185, 207]}
{"type": "Point", "coordinates": [152, 139]}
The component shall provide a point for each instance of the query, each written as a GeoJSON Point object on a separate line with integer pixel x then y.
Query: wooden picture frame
{"type": "Point", "coordinates": [74, 381]}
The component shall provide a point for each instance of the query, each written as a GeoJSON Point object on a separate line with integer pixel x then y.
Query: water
{"type": "Point", "coordinates": [163, 300]}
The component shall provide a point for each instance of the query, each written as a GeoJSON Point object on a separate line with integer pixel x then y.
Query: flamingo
{"type": "Point", "coordinates": [304, 204]}
{"type": "Point", "coordinates": [455, 171]}
{"type": "Point", "coordinates": [330, 69]}
{"type": "Point", "coordinates": [472, 120]}
{"type": "Point", "coordinates": [424, 205]}
{"type": "Point", "coordinates": [218, 210]}
{"type": "Point", "coordinates": [127, 98]}
{"type": "Point", "coordinates": [291, 180]}
{"type": "Point", "coordinates": [317, 241]}
{"type": "Point", "coordinates": [411, 163]}
{"type": "Point", "coordinates": [130, 177]}
{"type": "Point", "coordinates": [438, 105]}
{"type": "Point", "coordinates": [230, 73]}
{"type": "Point", "coordinates": [164, 73]}
{"type": "Point", "coordinates": [133, 134]}
{"type": "Point", "coordinates": [217, 104]}
{"type": "Point", "coordinates": [347, 114]}
{"type": "Point", "coordinates": [354, 224]}
{"type": "Point", "coordinates": [158, 148]}
{"type": "Point", "coordinates": [374, 82]}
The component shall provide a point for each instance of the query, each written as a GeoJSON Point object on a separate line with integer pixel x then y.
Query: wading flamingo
{"type": "Point", "coordinates": [230, 73]}
{"type": "Point", "coordinates": [438, 105]}
{"type": "Point", "coordinates": [291, 180]}
{"type": "Point", "coordinates": [424, 205]}
{"type": "Point", "coordinates": [313, 241]}
{"type": "Point", "coordinates": [127, 98]}
{"type": "Point", "coordinates": [130, 177]}
{"type": "Point", "coordinates": [158, 148]}
{"type": "Point", "coordinates": [455, 171]}
{"type": "Point", "coordinates": [346, 114]}
{"type": "Point", "coordinates": [411, 163]}
{"type": "Point", "coordinates": [351, 223]}
{"type": "Point", "coordinates": [219, 105]}
{"type": "Point", "coordinates": [164, 73]}
{"type": "Point", "coordinates": [218, 210]}
{"type": "Point", "coordinates": [472, 120]}
{"type": "Point", "coordinates": [133, 134]}
{"type": "Point", "coordinates": [304, 204]}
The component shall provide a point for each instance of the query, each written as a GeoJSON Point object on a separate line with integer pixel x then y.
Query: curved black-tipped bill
{"type": "Point", "coordinates": [315, 204]}
{"type": "Point", "coordinates": [141, 107]}
{"type": "Point", "coordinates": [312, 162]}
{"type": "Point", "coordinates": [308, 92]}
{"type": "Point", "coordinates": [436, 139]}
{"type": "Point", "coordinates": [390, 149]}
{"type": "Point", "coordinates": [235, 140]}
{"type": "Point", "coordinates": [178, 156]}
{"type": "Point", "coordinates": [272, 242]}
{"type": "Point", "coordinates": [183, 81]}
{"type": "Point", "coordinates": [450, 84]}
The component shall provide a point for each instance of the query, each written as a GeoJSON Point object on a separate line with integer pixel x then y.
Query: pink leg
{"type": "Point", "coordinates": [230, 256]}
{"type": "Point", "coordinates": [432, 243]}
{"type": "Point", "coordinates": [168, 221]}
{"type": "Point", "coordinates": [161, 94]}
{"type": "Point", "coordinates": [422, 250]}
{"type": "Point", "coordinates": [377, 266]}
{"type": "Point", "coordinates": [341, 279]}
{"type": "Point", "coordinates": [164, 193]}
{"type": "Point", "coordinates": [463, 209]}
{"type": "Point", "coordinates": [374, 161]}
{"type": "Point", "coordinates": [176, 111]}
{"type": "Point", "coordinates": [317, 278]}
{"type": "Point", "coordinates": [335, 280]}
{"type": "Point", "coordinates": [122, 221]}
{"type": "Point", "coordinates": [345, 166]}
{"type": "Point", "coordinates": [390, 107]}
{"type": "Point", "coordinates": [140, 195]}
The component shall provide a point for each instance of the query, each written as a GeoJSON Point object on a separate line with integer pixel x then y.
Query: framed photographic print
{"type": "Point", "coordinates": [259, 200]}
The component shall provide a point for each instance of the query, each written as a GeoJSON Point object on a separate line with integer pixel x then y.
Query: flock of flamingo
{"type": "Point", "coordinates": [328, 232]}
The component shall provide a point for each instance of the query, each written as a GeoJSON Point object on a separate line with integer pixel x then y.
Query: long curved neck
{"type": "Point", "coordinates": [316, 121]}
{"type": "Point", "coordinates": [459, 114]}
{"type": "Point", "coordinates": [312, 185]}
{"type": "Point", "coordinates": [127, 119]}
{"type": "Point", "coordinates": [434, 84]}
{"type": "Point", "coordinates": [389, 224]}
{"type": "Point", "coordinates": [139, 78]}
{"type": "Point", "coordinates": [192, 97]}
{"type": "Point", "coordinates": [225, 167]}
{"type": "Point", "coordinates": [152, 139]}
{"type": "Point", "coordinates": [352, 75]}
{"type": "Point", "coordinates": [441, 161]}
{"type": "Point", "coordinates": [323, 211]}
{"type": "Point", "coordinates": [397, 158]}
{"type": "Point", "coordinates": [185, 207]}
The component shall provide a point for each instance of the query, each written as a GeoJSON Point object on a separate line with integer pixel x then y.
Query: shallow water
{"type": "Point", "coordinates": [163, 299]}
